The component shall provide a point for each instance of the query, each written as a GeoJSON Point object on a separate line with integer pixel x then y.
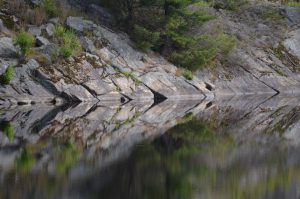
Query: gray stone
{"type": "Point", "coordinates": [35, 31]}
{"type": "Point", "coordinates": [50, 49]}
{"type": "Point", "coordinates": [50, 29]}
{"type": "Point", "coordinates": [55, 21]}
{"type": "Point", "coordinates": [42, 41]}
{"type": "Point", "coordinates": [79, 24]}
{"type": "Point", "coordinates": [170, 86]}
{"type": "Point", "coordinates": [7, 48]}
{"type": "Point", "coordinates": [75, 92]}
{"type": "Point", "coordinates": [99, 87]}
{"type": "Point", "coordinates": [87, 44]}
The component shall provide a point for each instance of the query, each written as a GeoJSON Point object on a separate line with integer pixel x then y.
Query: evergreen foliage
{"type": "Point", "coordinates": [165, 26]}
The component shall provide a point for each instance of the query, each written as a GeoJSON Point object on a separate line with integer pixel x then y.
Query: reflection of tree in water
{"type": "Point", "coordinates": [192, 161]}
{"type": "Point", "coordinates": [188, 161]}
{"type": "Point", "coordinates": [39, 184]}
{"type": "Point", "coordinates": [8, 129]}
{"type": "Point", "coordinates": [165, 168]}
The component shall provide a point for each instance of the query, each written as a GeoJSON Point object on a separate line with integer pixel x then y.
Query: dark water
{"type": "Point", "coordinates": [235, 148]}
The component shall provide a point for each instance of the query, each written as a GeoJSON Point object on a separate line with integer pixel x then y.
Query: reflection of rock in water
{"type": "Point", "coordinates": [81, 145]}
{"type": "Point", "coordinates": [250, 157]}
{"type": "Point", "coordinates": [102, 133]}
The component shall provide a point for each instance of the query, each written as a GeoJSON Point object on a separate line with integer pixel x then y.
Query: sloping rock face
{"type": "Point", "coordinates": [110, 69]}
{"type": "Point", "coordinates": [266, 59]}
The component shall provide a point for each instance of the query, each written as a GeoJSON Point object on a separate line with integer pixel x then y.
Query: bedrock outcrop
{"type": "Point", "coordinates": [108, 69]}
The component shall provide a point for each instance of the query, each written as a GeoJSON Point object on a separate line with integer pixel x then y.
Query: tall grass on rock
{"type": "Point", "coordinates": [67, 40]}
{"type": "Point", "coordinates": [25, 41]}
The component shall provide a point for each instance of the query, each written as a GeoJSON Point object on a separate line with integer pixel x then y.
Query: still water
{"type": "Point", "coordinates": [235, 148]}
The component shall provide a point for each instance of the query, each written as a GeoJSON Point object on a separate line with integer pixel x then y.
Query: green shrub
{"type": "Point", "coordinates": [25, 41]}
{"type": "Point", "coordinates": [8, 75]}
{"type": "Point", "coordinates": [68, 41]}
{"type": "Point", "coordinates": [187, 74]}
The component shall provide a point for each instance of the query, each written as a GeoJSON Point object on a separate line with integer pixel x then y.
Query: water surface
{"type": "Point", "coordinates": [235, 148]}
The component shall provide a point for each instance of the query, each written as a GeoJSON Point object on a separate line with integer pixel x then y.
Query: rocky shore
{"type": "Point", "coordinates": [108, 69]}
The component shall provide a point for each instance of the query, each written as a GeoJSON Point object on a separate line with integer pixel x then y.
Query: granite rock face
{"type": "Point", "coordinates": [110, 69]}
